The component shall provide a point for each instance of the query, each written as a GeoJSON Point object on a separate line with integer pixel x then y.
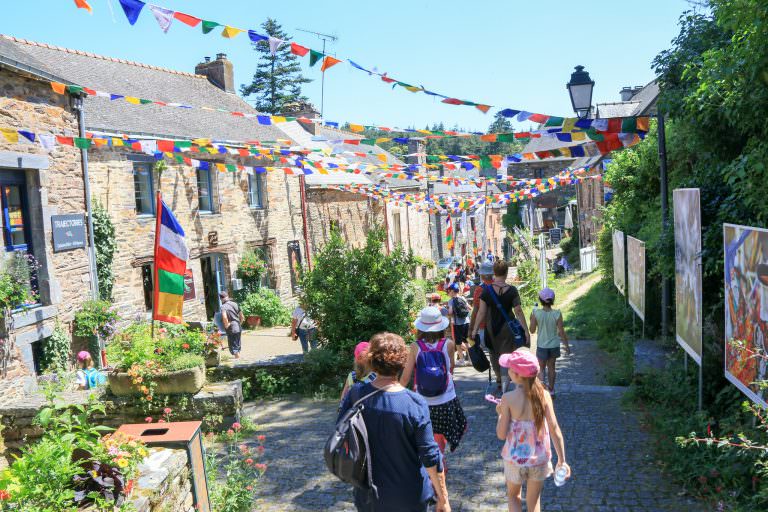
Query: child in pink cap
{"type": "Point", "coordinates": [526, 421]}
{"type": "Point", "coordinates": [87, 377]}
{"type": "Point", "coordinates": [549, 323]}
{"type": "Point", "coordinates": [362, 372]}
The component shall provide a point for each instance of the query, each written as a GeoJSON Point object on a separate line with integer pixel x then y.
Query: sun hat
{"type": "Point", "coordinates": [83, 355]}
{"type": "Point", "coordinates": [486, 269]}
{"type": "Point", "coordinates": [547, 294]}
{"type": "Point", "coordinates": [361, 348]}
{"type": "Point", "coordinates": [522, 362]}
{"type": "Point", "coordinates": [431, 319]}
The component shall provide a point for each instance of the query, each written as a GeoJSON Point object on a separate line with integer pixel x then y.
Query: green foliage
{"type": "Point", "coordinates": [233, 475]}
{"type": "Point", "coordinates": [56, 349]}
{"type": "Point", "coordinates": [106, 244]}
{"type": "Point", "coordinates": [266, 304]}
{"type": "Point", "coordinates": [15, 290]}
{"type": "Point", "coordinates": [251, 269]}
{"type": "Point", "coordinates": [570, 248]}
{"type": "Point", "coordinates": [354, 293]}
{"type": "Point", "coordinates": [528, 277]}
{"type": "Point", "coordinates": [173, 348]}
{"type": "Point", "coordinates": [278, 79]}
{"type": "Point", "coordinates": [96, 317]}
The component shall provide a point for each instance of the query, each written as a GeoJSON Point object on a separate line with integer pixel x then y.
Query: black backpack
{"type": "Point", "coordinates": [347, 453]}
{"type": "Point", "coordinates": [460, 308]}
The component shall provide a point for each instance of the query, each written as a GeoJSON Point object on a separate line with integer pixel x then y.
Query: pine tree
{"type": "Point", "coordinates": [278, 78]}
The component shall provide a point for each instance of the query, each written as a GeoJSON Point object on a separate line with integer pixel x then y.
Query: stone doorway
{"type": "Point", "coordinates": [214, 281]}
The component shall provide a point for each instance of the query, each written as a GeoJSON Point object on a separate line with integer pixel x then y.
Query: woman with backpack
{"type": "Point", "coordinates": [405, 461]}
{"type": "Point", "coordinates": [431, 363]}
{"type": "Point", "coordinates": [458, 312]}
{"type": "Point", "coordinates": [504, 331]}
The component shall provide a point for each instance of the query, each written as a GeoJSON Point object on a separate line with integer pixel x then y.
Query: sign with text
{"type": "Point", "coordinates": [619, 267]}
{"type": "Point", "coordinates": [68, 232]}
{"type": "Point", "coordinates": [555, 235]}
{"type": "Point", "coordinates": [189, 285]}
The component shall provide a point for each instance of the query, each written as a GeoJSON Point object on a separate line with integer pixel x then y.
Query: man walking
{"type": "Point", "coordinates": [232, 318]}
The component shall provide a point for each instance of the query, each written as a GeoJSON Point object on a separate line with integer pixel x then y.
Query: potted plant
{"type": "Point", "coordinates": [250, 270]}
{"type": "Point", "coordinates": [266, 305]}
{"type": "Point", "coordinates": [173, 362]}
{"type": "Point", "coordinates": [15, 290]}
{"type": "Point", "coordinates": [212, 345]}
{"type": "Point", "coordinates": [95, 320]}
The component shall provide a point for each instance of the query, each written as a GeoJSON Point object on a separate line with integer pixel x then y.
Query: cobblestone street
{"type": "Point", "coordinates": [608, 452]}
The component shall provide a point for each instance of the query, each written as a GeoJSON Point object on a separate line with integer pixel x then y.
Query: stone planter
{"type": "Point", "coordinates": [172, 383]}
{"type": "Point", "coordinates": [212, 359]}
{"type": "Point", "coordinates": [253, 321]}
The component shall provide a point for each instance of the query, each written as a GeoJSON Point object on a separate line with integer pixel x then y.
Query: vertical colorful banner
{"type": "Point", "coordinates": [449, 233]}
{"type": "Point", "coordinates": [636, 271]}
{"type": "Point", "coordinates": [619, 266]}
{"type": "Point", "coordinates": [171, 256]}
{"type": "Point", "coordinates": [688, 283]}
{"type": "Point", "coordinates": [746, 309]}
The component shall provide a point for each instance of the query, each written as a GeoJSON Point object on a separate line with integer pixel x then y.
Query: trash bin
{"type": "Point", "coordinates": [178, 434]}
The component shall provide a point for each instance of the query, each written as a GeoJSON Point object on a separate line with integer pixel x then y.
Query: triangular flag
{"type": "Point", "coordinates": [58, 88]}
{"type": "Point", "coordinates": [132, 9]}
{"type": "Point", "coordinates": [483, 108]}
{"type": "Point", "coordinates": [256, 37]}
{"type": "Point", "coordinates": [230, 32]}
{"type": "Point", "coordinates": [82, 4]}
{"type": "Point", "coordinates": [209, 25]}
{"type": "Point", "coordinates": [299, 50]}
{"type": "Point", "coordinates": [192, 21]}
{"type": "Point", "coordinates": [314, 56]}
{"type": "Point", "coordinates": [163, 16]}
{"type": "Point", "coordinates": [274, 44]}
{"type": "Point", "coordinates": [47, 141]}
{"type": "Point", "coordinates": [10, 134]}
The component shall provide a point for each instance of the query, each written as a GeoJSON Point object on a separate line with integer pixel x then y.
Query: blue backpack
{"type": "Point", "coordinates": [432, 372]}
{"type": "Point", "coordinates": [94, 378]}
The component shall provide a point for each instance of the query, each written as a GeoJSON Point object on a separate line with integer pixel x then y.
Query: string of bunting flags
{"type": "Point", "coordinates": [165, 18]}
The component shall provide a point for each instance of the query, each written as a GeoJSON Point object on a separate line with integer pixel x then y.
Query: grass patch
{"type": "Point", "coordinates": [601, 315]}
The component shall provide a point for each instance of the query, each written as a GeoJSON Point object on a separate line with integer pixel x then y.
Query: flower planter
{"type": "Point", "coordinates": [190, 381]}
{"type": "Point", "coordinates": [253, 321]}
{"type": "Point", "coordinates": [212, 359]}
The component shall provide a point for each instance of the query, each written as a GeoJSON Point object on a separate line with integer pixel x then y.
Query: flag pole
{"type": "Point", "coordinates": [155, 288]}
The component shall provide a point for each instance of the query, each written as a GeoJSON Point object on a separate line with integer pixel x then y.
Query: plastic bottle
{"type": "Point", "coordinates": [560, 475]}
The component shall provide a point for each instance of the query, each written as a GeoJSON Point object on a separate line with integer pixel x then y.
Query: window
{"type": "Point", "coordinates": [142, 184]}
{"type": "Point", "coordinates": [398, 236]}
{"type": "Point", "coordinates": [14, 214]}
{"type": "Point", "coordinates": [205, 190]}
{"type": "Point", "coordinates": [146, 283]}
{"type": "Point", "coordinates": [264, 252]}
{"type": "Point", "coordinates": [256, 190]}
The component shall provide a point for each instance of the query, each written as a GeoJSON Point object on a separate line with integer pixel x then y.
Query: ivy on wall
{"type": "Point", "coordinates": [106, 244]}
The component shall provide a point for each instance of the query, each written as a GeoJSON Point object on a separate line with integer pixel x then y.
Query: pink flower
{"type": "Point", "coordinates": [236, 426]}
{"type": "Point", "coordinates": [161, 421]}
{"type": "Point", "coordinates": [248, 487]}
{"type": "Point", "coordinates": [261, 438]}
{"type": "Point", "coordinates": [230, 432]}
{"type": "Point", "coordinates": [249, 461]}
{"type": "Point", "coordinates": [260, 467]}
{"type": "Point", "coordinates": [148, 419]}
{"type": "Point", "coordinates": [167, 411]}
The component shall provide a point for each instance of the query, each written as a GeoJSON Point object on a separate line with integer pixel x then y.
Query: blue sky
{"type": "Point", "coordinates": [506, 53]}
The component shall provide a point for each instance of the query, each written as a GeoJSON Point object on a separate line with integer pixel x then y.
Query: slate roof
{"type": "Point", "coordinates": [128, 78]}
{"type": "Point", "coordinates": [616, 109]}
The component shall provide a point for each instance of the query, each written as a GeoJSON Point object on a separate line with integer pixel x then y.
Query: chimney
{"type": "Point", "coordinates": [626, 93]}
{"type": "Point", "coordinates": [219, 72]}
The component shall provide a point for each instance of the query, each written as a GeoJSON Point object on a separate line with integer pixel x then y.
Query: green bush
{"type": "Point", "coordinates": [106, 244]}
{"type": "Point", "coordinates": [56, 350]}
{"type": "Point", "coordinates": [96, 317]}
{"type": "Point", "coordinates": [266, 304]}
{"type": "Point", "coordinates": [528, 277]}
{"type": "Point", "coordinates": [173, 348]}
{"type": "Point", "coordinates": [354, 293]}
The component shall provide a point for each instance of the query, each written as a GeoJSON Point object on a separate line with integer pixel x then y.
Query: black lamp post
{"type": "Point", "coordinates": [580, 88]}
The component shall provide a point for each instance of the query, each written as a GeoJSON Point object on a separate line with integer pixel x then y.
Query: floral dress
{"type": "Point", "coordinates": [524, 446]}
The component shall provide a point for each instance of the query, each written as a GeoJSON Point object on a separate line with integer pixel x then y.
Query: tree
{"type": "Point", "coordinates": [278, 78]}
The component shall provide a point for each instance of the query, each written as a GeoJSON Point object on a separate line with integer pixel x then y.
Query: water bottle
{"type": "Point", "coordinates": [560, 475]}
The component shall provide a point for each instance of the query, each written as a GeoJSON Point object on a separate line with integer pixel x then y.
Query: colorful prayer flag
{"type": "Point", "coordinates": [171, 256]}
{"type": "Point", "coordinates": [132, 9]}
{"type": "Point", "coordinates": [230, 32]}
{"type": "Point", "coordinates": [192, 21]}
{"type": "Point", "coordinates": [449, 233]}
{"type": "Point", "coordinates": [299, 50]}
{"type": "Point", "coordinates": [314, 56]}
{"type": "Point", "coordinates": [82, 4]}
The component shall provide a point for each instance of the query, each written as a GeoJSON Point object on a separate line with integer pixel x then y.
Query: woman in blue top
{"type": "Point", "coordinates": [406, 462]}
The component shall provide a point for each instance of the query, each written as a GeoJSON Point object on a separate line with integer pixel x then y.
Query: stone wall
{"type": "Point", "coordinates": [354, 214]}
{"type": "Point", "coordinates": [229, 230]}
{"type": "Point", "coordinates": [54, 185]}
{"type": "Point", "coordinates": [590, 199]}
{"type": "Point", "coordinates": [163, 484]}
{"type": "Point", "coordinates": [410, 227]}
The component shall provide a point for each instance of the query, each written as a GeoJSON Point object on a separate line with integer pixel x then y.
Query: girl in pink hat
{"type": "Point", "coordinates": [549, 323]}
{"type": "Point", "coordinates": [362, 372]}
{"type": "Point", "coordinates": [526, 422]}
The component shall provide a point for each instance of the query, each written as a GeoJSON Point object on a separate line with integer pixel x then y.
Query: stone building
{"type": "Point", "coordinates": [36, 185]}
{"type": "Point", "coordinates": [223, 213]}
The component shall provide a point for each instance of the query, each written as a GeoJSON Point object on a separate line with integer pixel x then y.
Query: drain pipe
{"type": "Point", "coordinates": [303, 191]}
{"type": "Point", "coordinates": [79, 106]}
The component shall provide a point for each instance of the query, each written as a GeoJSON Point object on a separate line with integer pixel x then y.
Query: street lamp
{"type": "Point", "coordinates": [580, 88]}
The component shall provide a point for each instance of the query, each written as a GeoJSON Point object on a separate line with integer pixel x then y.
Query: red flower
{"type": "Point", "coordinates": [248, 487]}
{"type": "Point", "coordinates": [185, 346]}
{"type": "Point", "coordinates": [260, 467]}
{"type": "Point", "coordinates": [249, 461]}
{"type": "Point", "coordinates": [4, 495]}
{"type": "Point", "coordinates": [148, 419]}
{"type": "Point", "coordinates": [230, 432]}
{"type": "Point", "coordinates": [236, 426]}
{"type": "Point", "coordinates": [261, 438]}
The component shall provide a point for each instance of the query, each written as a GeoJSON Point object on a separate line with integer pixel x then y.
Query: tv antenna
{"type": "Point", "coordinates": [325, 38]}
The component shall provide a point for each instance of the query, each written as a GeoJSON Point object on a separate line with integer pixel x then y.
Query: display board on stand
{"type": "Point", "coordinates": [636, 273]}
{"type": "Point", "coordinates": [619, 262]}
{"type": "Point", "coordinates": [688, 283]}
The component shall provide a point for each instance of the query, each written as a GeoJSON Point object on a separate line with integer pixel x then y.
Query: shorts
{"type": "Point", "coordinates": [518, 475]}
{"type": "Point", "coordinates": [544, 354]}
